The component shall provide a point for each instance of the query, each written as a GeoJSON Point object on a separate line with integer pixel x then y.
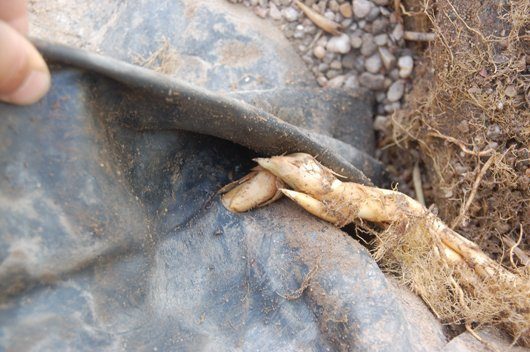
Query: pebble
{"type": "Point", "coordinates": [335, 65]}
{"type": "Point", "coordinates": [336, 82]}
{"type": "Point", "coordinates": [510, 91]}
{"type": "Point", "coordinates": [323, 67]}
{"type": "Point", "coordinates": [405, 64]}
{"type": "Point", "coordinates": [328, 58]}
{"type": "Point", "coordinates": [339, 44]}
{"type": "Point", "coordinates": [398, 32]}
{"type": "Point", "coordinates": [329, 15]}
{"type": "Point", "coordinates": [395, 91]}
{"type": "Point", "coordinates": [372, 81]}
{"type": "Point", "coordinates": [333, 6]}
{"type": "Point", "coordinates": [368, 46]}
{"type": "Point", "coordinates": [319, 52]}
{"type": "Point", "coordinates": [381, 39]}
{"type": "Point", "coordinates": [261, 11]}
{"type": "Point", "coordinates": [392, 107]}
{"type": "Point", "coordinates": [321, 80]}
{"type": "Point", "coordinates": [356, 42]}
{"type": "Point", "coordinates": [380, 25]}
{"type": "Point", "coordinates": [290, 14]}
{"type": "Point", "coordinates": [373, 64]}
{"type": "Point", "coordinates": [332, 74]}
{"type": "Point", "coordinates": [380, 97]}
{"type": "Point", "coordinates": [274, 12]}
{"type": "Point", "coordinates": [361, 8]}
{"type": "Point", "coordinates": [380, 123]}
{"type": "Point", "coordinates": [388, 59]}
{"type": "Point", "coordinates": [352, 82]}
{"type": "Point", "coordinates": [379, 61]}
{"type": "Point", "coordinates": [374, 13]}
{"type": "Point", "coordinates": [346, 10]}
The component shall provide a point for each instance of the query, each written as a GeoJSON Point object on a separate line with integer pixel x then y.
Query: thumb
{"type": "Point", "coordinates": [24, 76]}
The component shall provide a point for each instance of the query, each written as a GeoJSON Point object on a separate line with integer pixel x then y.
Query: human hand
{"type": "Point", "coordinates": [24, 76]}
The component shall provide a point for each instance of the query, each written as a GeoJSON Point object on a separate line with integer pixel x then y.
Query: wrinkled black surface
{"type": "Point", "coordinates": [113, 237]}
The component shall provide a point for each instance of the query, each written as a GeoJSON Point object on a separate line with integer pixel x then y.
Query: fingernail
{"type": "Point", "coordinates": [31, 90]}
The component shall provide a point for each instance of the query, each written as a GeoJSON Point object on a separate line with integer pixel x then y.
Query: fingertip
{"type": "Point", "coordinates": [32, 89]}
{"type": "Point", "coordinates": [24, 75]}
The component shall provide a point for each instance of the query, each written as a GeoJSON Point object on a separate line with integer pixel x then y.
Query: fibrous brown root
{"type": "Point", "coordinates": [455, 278]}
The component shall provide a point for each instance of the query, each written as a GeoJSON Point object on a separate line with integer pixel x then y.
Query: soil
{"type": "Point", "coordinates": [466, 124]}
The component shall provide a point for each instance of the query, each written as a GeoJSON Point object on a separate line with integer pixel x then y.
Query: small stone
{"type": "Point", "coordinates": [274, 12]}
{"type": "Point", "coordinates": [361, 8]}
{"type": "Point", "coordinates": [332, 74]}
{"type": "Point", "coordinates": [356, 42]}
{"type": "Point", "coordinates": [330, 15]}
{"type": "Point", "coordinates": [380, 25]}
{"type": "Point", "coordinates": [373, 64]}
{"type": "Point", "coordinates": [260, 11]}
{"type": "Point", "coordinates": [381, 39]}
{"type": "Point", "coordinates": [285, 2]}
{"type": "Point", "coordinates": [322, 41]}
{"type": "Point", "coordinates": [380, 123]}
{"type": "Point", "coordinates": [346, 10]}
{"type": "Point", "coordinates": [510, 91]}
{"type": "Point", "coordinates": [348, 61]}
{"type": "Point", "coordinates": [346, 23]}
{"type": "Point", "coordinates": [405, 64]}
{"type": "Point", "coordinates": [389, 60]}
{"type": "Point", "coordinates": [290, 14]}
{"type": "Point", "coordinates": [308, 60]}
{"type": "Point", "coordinates": [384, 11]}
{"type": "Point", "coordinates": [322, 81]}
{"type": "Point", "coordinates": [298, 34]}
{"type": "Point", "coordinates": [372, 81]}
{"type": "Point", "coordinates": [381, 2]}
{"type": "Point", "coordinates": [392, 107]}
{"type": "Point", "coordinates": [335, 65]}
{"type": "Point", "coordinates": [398, 32]}
{"type": "Point", "coordinates": [374, 13]}
{"type": "Point", "coordinates": [494, 131]}
{"type": "Point", "coordinates": [339, 44]}
{"type": "Point", "coordinates": [352, 82]}
{"type": "Point", "coordinates": [336, 82]}
{"type": "Point", "coordinates": [380, 97]}
{"type": "Point", "coordinates": [323, 67]}
{"type": "Point", "coordinates": [359, 63]}
{"type": "Point", "coordinates": [328, 58]}
{"type": "Point", "coordinates": [310, 29]}
{"type": "Point", "coordinates": [319, 52]}
{"type": "Point", "coordinates": [361, 24]}
{"type": "Point", "coordinates": [333, 6]}
{"type": "Point", "coordinates": [395, 91]}
{"type": "Point", "coordinates": [368, 46]}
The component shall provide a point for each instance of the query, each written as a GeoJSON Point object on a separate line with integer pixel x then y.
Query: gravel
{"type": "Point", "coordinates": [371, 81]}
{"type": "Point", "coordinates": [373, 64]}
{"type": "Point", "coordinates": [395, 91]}
{"type": "Point", "coordinates": [361, 8]}
{"type": "Point", "coordinates": [369, 53]}
{"type": "Point", "coordinates": [339, 44]}
{"type": "Point", "coordinates": [405, 64]}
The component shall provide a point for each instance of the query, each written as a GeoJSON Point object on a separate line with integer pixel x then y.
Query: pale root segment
{"type": "Point", "coordinates": [455, 278]}
{"type": "Point", "coordinates": [258, 188]}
